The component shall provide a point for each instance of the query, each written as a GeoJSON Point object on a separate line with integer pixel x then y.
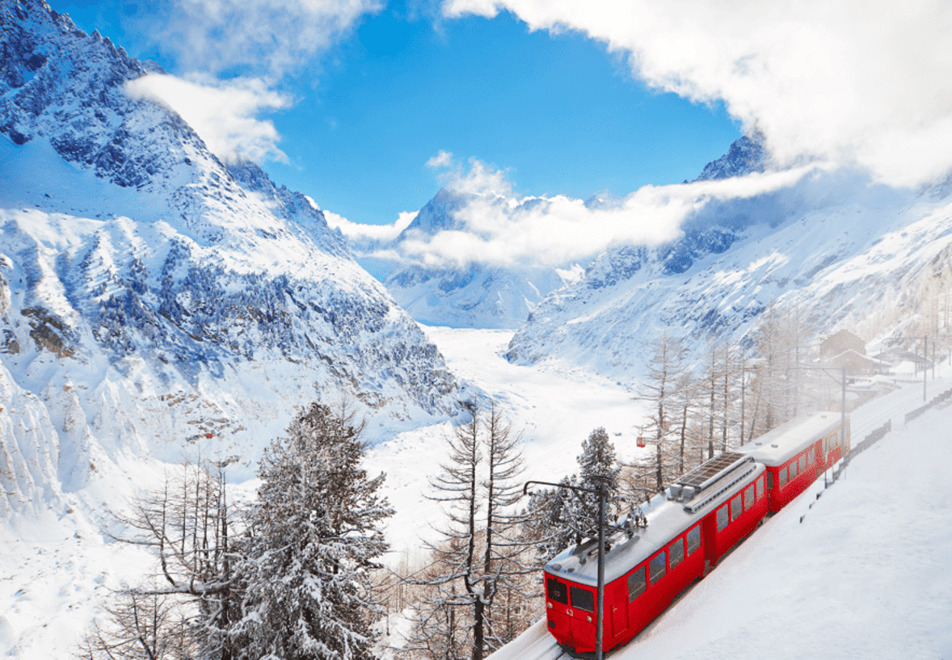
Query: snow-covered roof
{"type": "Point", "coordinates": [779, 445]}
{"type": "Point", "coordinates": [667, 517]}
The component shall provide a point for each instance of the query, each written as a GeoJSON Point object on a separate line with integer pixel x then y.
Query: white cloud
{"type": "Point", "coordinates": [225, 115]}
{"type": "Point", "coordinates": [861, 83]}
{"type": "Point", "coordinates": [269, 37]}
{"type": "Point", "coordinates": [440, 160]}
{"type": "Point", "coordinates": [477, 178]}
{"type": "Point", "coordinates": [554, 231]}
{"type": "Point", "coordinates": [364, 236]}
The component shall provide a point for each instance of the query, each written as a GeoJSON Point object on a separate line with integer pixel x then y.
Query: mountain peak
{"type": "Point", "coordinates": [746, 154]}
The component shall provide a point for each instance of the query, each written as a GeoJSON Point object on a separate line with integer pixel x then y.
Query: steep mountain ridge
{"type": "Point", "coordinates": [480, 295]}
{"type": "Point", "coordinates": [848, 254]}
{"type": "Point", "coordinates": [156, 301]}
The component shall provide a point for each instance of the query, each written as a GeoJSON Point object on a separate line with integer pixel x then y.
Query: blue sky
{"type": "Point", "coordinates": [365, 113]}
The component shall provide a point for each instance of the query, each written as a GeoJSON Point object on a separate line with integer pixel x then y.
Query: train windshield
{"type": "Point", "coordinates": [557, 591]}
{"type": "Point", "coordinates": [583, 599]}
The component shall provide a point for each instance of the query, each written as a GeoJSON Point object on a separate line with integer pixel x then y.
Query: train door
{"type": "Point", "coordinates": [616, 604]}
{"type": "Point", "coordinates": [619, 619]}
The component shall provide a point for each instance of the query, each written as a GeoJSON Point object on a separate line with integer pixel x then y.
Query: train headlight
{"type": "Point", "coordinates": [549, 605]}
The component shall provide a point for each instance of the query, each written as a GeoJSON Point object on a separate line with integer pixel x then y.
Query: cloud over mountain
{"type": "Point", "coordinates": [859, 83]}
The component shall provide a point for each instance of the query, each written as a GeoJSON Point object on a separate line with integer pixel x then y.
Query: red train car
{"type": "Point", "coordinates": [698, 520]}
{"type": "Point", "coordinates": [797, 452]}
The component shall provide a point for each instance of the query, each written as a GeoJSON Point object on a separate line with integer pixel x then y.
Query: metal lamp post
{"type": "Point", "coordinates": [599, 491]}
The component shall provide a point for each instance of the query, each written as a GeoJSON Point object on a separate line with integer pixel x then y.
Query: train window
{"type": "Point", "coordinates": [803, 463]}
{"type": "Point", "coordinates": [557, 591]}
{"type": "Point", "coordinates": [811, 457]}
{"type": "Point", "coordinates": [782, 477]}
{"type": "Point", "coordinates": [676, 553]}
{"type": "Point", "coordinates": [583, 599]}
{"type": "Point", "coordinates": [657, 568]}
{"type": "Point", "coordinates": [793, 471]}
{"type": "Point", "coordinates": [737, 507]}
{"type": "Point", "coordinates": [749, 497]}
{"type": "Point", "coordinates": [722, 518]}
{"type": "Point", "coordinates": [770, 480]}
{"type": "Point", "coordinates": [760, 486]}
{"type": "Point", "coordinates": [694, 540]}
{"type": "Point", "coordinates": [636, 583]}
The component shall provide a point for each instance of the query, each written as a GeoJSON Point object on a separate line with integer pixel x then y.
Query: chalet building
{"type": "Point", "coordinates": [840, 343]}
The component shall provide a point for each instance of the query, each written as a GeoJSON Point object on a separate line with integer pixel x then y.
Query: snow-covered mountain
{"type": "Point", "coordinates": [849, 253]}
{"type": "Point", "coordinates": [154, 300]}
{"type": "Point", "coordinates": [477, 293]}
{"type": "Point", "coordinates": [473, 293]}
{"type": "Point", "coordinates": [745, 155]}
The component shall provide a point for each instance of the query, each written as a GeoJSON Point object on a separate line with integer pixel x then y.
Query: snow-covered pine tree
{"type": "Point", "coordinates": [560, 517]}
{"type": "Point", "coordinates": [546, 524]}
{"type": "Point", "coordinates": [315, 537]}
{"type": "Point", "coordinates": [598, 466]}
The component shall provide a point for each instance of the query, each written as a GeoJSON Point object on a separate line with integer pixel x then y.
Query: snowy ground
{"type": "Point", "coordinates": [55, 570]}
{"type": "Point", "coordinates": [863, 575]}
{"type": "Point", "coordinates": [553, 406]}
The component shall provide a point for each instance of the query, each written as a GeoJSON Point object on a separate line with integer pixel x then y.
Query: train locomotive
{"type": "Point", "coordinates": [685, 532]}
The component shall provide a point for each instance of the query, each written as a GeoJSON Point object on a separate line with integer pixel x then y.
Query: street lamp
{"type": "Point", "coordinates": [599, 491]}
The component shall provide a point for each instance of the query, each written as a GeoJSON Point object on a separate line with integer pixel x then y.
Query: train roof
{"type": "Point", "coordinates": [682, 505]}
{"type": "Point", "coordinates": [779, 445]}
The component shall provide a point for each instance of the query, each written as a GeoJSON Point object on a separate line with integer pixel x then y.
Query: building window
{"type": "Point", "coordinates": [694, 540]}
{"type": "Point", "coordinates": [722, 518]}
{"type": "Point", "coordinates": [676, 553]}
{"type": "Point", "coordinates": [782, 478]}
{"type": "Point", "coordinates": [737, 507]}
{"type": "Point", "coordinates": [657, 568]}
{"type": "Point", "coordinates": [749, 497]}
{"type": "Point", "coordinates": [557, 591]}
{"type": "Point", "coordinates": [760, 487]}
{"type": "Point", "coordinates": [583, 599]}
{"type": "Point", "coordinates": [636, 583]}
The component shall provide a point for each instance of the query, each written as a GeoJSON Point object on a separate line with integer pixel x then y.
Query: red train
{"type": "Point", "coordinates": [689, 529]}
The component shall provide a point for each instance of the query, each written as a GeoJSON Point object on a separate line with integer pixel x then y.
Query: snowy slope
{"type": "Point", "coordinates": [848, 254]}
{"type": "Point", "coordinates": [862, 575]}
{"type": "Point", "coordinates": [154, 301]}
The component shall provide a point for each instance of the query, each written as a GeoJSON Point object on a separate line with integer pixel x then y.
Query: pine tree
{"type": "Point", "coordinates": [314, 538]}
{"type": "Point", "coordinates": [560, 517]}
{"type": "Point", "coordinates": [480, 551]}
